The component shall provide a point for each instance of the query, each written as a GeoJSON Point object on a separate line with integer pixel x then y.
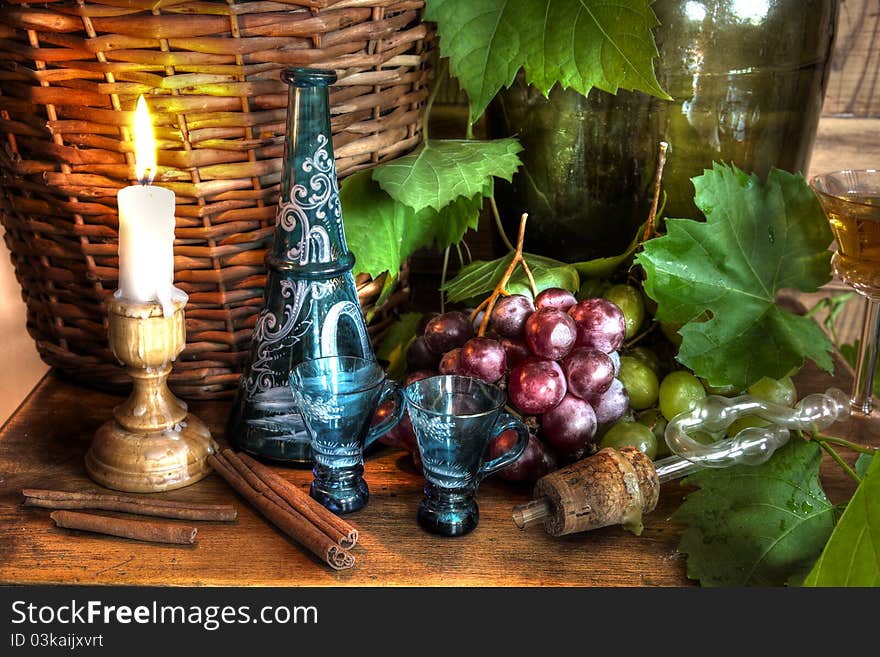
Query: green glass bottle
{"type": "Point", "coordinates": [747, 79]}
{"type": "Point", "coordinates": [310, 306]}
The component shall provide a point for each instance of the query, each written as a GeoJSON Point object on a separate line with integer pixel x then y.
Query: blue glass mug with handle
{"type": "Point", "coordinates": [454, 419]}
{"type": "Point", "coordinates": [338, 397]}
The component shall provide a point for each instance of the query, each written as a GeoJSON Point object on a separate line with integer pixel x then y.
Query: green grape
{"type": "Point", "coordinates": [591, 288]}
{"type": "Point", "coordinates": [679, 392]}
{"type": "Point", "coordinates": [648, 357]}
{"type": "Point", "coordinates": [631, 434]}
{"type": "Point", "coordinates": [781, 391]}
{"type": "Point", "coordinates": [744, 423]}
{"type": "Point", "coordinates": [654, 420]}
{"type": "Point", "coordinates": [640, 382]}
{"type": "Point", "coordinates": [630, 301]}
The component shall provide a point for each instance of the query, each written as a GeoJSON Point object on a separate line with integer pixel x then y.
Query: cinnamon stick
{"type": "Point", "coordinates": [307, 506]}
{"type": "Point", "coordinates": [58, 499]}
{"type": "Point", "coordinates": [288, 521]}
{"type": "Point", "coordinates": [263, 487]}
{"type": "Point", "coordinates": [154, 531]}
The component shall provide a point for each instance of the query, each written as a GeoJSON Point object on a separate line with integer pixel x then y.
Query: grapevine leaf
{"type": "Point", "coordinates": [604, 267]}
{"type": "Point", "coordinates": [580, 44]}
{"type": "Point", "coordinates": [852, 555]}
{"type": "Point", "coordinates": [440, 171]}
{"type": "Point", "coordinates": [454, 220]}
{"type": "Point", "coordinates": [393, 346]}
{"type": "Point", "coordinates": [756, 240]}
{"type": "Point", "coordinates": [480, 277]}
{"type": "Point", "coordinates": [383, 233]}
{"type": "Point", "coordinates": [863, 463]}
{"type": "Point", "coordinates": [756, 525]}
{"type": "Point", "coordinates": [380, 232]}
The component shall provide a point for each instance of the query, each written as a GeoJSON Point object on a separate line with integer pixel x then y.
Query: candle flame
{"type": "Point", "coordinates": [144, 144]}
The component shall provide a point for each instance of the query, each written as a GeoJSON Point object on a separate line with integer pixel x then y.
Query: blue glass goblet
{"type": "Point", "coordinates": [454, 419]}
{"type": "Point", "coordinates": [338, 397]}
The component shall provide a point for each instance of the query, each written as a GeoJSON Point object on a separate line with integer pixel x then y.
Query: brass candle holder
{"type": "Point", "coordinates": [152, 443]}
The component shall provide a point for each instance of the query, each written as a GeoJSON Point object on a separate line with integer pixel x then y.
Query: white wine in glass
{"type": "Point", "coordinates": [851, 200]}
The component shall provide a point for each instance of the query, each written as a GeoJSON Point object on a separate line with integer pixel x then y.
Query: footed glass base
{"type": "Point", "coordinates": [448, 513]}
{"type": "Point", "coordinates": [341, 492]}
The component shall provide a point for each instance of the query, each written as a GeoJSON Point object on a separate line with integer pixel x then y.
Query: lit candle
{"type": "Point", "coordinates": [146, 226]}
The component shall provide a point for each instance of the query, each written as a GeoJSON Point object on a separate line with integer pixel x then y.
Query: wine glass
{"type": "Point", "coordinates": [851, 200]}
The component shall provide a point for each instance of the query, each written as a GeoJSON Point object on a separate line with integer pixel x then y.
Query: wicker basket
{"type": "Point", "coordinates": [70, 74]}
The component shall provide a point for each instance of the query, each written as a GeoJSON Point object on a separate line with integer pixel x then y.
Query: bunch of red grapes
{"type": "Point", "coordinates": [558, 359]}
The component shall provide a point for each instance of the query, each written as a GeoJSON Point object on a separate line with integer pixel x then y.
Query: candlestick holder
{"type": "Point", "coordinates": [152, 443]}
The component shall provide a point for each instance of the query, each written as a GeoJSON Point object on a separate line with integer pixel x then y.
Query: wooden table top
{"type": "Point", "coordinates": [43, 444]}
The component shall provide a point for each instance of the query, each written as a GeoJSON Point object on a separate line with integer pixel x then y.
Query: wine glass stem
{"type": "Point", "coordinates": [864, 383]}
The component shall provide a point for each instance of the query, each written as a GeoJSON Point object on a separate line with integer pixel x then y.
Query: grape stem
{"type": "Point", "coordinates": [837, 458]}
{"type": "Point", "coordinates": [501, 289]}
{"type": "Point", "coordinates": [856, 447]}
{"type": "Point", "coordinates": [651, 228]}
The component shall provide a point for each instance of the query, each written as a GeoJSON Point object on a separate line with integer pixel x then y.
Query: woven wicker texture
{"type": "Point", "coordinates": [70, 74]}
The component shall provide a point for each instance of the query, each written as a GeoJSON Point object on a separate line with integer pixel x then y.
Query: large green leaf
{"type": "Point", "coordinates": [440, 171]}
{"type": "Point", "coordinates": [852, 556]}
{"type": "Point", "coordinates": [580, 44]}
{"type": "Point", "coordinates": [757, 240]}
{"type": "Point", "coordinates": [383, 233]}
{"type": "Point", "coordinates": [756, 525]}
{"type": "Point", "coordinates": [480, 277]}
{"type": "Point", "coordinates": [380, 232]}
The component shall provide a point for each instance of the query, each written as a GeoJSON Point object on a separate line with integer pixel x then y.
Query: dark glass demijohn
{"type": "Point", "coordinates": [310, 308]}
{"type": "Point", "coordinates": [747, 78]}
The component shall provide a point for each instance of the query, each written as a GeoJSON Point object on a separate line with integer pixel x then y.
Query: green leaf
{"type": "Point", "coordinates": [604, 267]}
{"type": "Point", "coordinates": [757, 240]}
{"type": "Point", "coordinates": [382, 233]}
{"type": "Point", "coordinates": [453, 221]}
{"type": "Point", "coordinates": [852, 555]}
{"type": "Point", "coordinates": [480, 277]}
{"type": "Point", "coordinates": [863, 463]}
{"type": "Point", "coordinates": [393, 346]}
{"type": "Point", "coordinates": [756, 525]}
{"type": "Point", "coordinates": [580, 44]}
{"type": "Point", "coordinates": [440, 171]}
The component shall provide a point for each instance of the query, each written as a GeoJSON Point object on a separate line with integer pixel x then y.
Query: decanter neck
{"type": "Point", "coordinates": [309, 232]}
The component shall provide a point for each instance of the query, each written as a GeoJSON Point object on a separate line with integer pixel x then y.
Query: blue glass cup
{"type": "Point", "coordinates": [454, 419]}
{"type": "Point", "coordinates": [337, 397]}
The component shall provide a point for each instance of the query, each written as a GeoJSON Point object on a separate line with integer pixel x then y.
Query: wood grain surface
{"type": "Point", "coordinates": [43, 444]}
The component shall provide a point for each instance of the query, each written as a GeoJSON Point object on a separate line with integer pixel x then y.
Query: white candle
{"type": "Point", "coordinates": [146, 227]}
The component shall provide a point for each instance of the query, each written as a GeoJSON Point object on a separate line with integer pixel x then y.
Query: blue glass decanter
{"type": "Point", "coordinates": [310, 307]}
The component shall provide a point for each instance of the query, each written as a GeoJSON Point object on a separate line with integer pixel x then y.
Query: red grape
{"type": "Point", "coordinates": [600, 324]}
{"type": "Point", "coordinates": [555, 297]}
{"type": "Point", "coordinates": [418, 375]}
{"type": "Point", "coordinates": [536, 461]}
{"type": "Point", "coordinates": [570, 426]}
{"type": "Point", "coordinates": [537, 386]}
{"type": "Point", "coordinates": [419, 356]}
{"type": "Point", "coordinates": [451, 362]}
{"type": "Point", "coordinates": [509, 315]}
{"type": "Point", "coordinates": [484, 359]}
{"type": "Point", "coordinates": [588, 372]}
{"type": "Point", "coordinates": [550, 333]}
{"type": "Point", "coordinates": [615, 358]}
{"type": "Point", "coordinates": [515, 350]}
{"type": "Point", "coordinates": [611, 404]}
{"type": "Point", "coordinates": [448, 331]}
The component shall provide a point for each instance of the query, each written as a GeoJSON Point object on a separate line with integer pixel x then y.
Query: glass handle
{"type": "Point", "coordinates": [391, 390]}
{"type": "Point", "coordinates": [863, 386]}
{"type": "Point", "coordinates": [506, 421]}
